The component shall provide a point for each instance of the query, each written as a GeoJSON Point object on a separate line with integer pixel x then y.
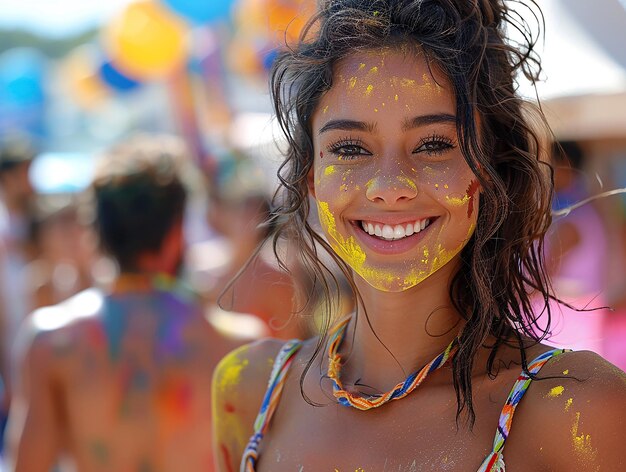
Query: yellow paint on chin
{"type": "Point", "coordinates": [556, 391]}
{"type": "Point", "coordinates": [582, 442]}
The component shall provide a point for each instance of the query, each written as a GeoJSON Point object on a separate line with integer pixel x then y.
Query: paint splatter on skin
{"type": "Point", "coordinates": [556, 392]}
{"type": "Point", "coordinates": [582, 442]}
{"type": "Point", "coordinates": [568, 403]}
{"type": "Point", "coordinates": [330, 170]}
{"type": "Point", "coordinates": [471, 191]}
{"type": "Point", "coordinates": [368, 90]}
{"type": "Point", "coordinates": [226, 457]}
{"type": "Point", "coordinates": [565, 372]}
{"type": "Point", "coordinates": [325, 109]}
{"type": "Point", "coordinates": [232, 367]}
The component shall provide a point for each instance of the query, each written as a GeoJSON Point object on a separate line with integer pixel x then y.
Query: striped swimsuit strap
{"type": "Point", "coordinates": [495, 460]}
{"type": "Point", "coordinates": [270, 401]}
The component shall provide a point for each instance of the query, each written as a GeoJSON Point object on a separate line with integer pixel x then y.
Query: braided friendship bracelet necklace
{"type": "Point", "coordinates": [401, 390]}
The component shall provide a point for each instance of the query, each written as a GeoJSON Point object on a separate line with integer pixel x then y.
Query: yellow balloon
{"type": "Point", "coordinates": [146, 41]}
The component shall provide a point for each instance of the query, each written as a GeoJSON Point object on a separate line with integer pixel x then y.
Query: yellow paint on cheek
{"type": "Point", "coordinates": [348, 249]}
{"type": "Point", "coordinates": [352, 82]}
{"type": "Point", "coordinates": [456, 201]}
{"type": "Point", "coordinates": [374, 70]}
{"type": "Point", "coordinates": [407, 83]}
{"type": "Point", "coordinates": [396, 97]}
{"type": "Point", "coordinates": [330, 170]}
{"type": "Point", "coordinates": [568, 403]}
{"type": "Point", "coordinates": [368, 90]}
{"type": "Point", "coordinates": [565, 372]}
{"type": "Point", "coordinates": [361, 66]}
{"type": "Point", "coordinates": [582, 442]}
{"type": "Point", "coordinates": [556, 391]}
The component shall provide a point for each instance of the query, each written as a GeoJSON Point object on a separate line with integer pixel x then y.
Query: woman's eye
{"type": "Point", "coordinates": [348, 150]}
{"type": "Point", "coordinates": [434, 146]}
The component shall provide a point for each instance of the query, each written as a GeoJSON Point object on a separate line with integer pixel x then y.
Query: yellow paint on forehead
{"type": "Point", "coordinates": [361, 66]}
{"type": "Point", "coordinates": [352, 82]}
{"type": "Point", "coordinates": [556, 391]}
{"type": "Point", "coordinates": [325, 109]}
{"type": "Point", "coordinates": [330, 170]}
{"type": "Point", "coordinates": [582, 442]}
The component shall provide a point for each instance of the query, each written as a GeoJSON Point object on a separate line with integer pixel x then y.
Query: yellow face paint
{"type": "Point", "coordinates": [330, 170]}
{"type": "Point", "coordinates": [386, 159]}
{"type": "Point", "coordinates": [568, 403]}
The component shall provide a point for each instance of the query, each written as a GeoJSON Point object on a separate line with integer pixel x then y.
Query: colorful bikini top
{"type": "Point", "coordinates": [494, 462]}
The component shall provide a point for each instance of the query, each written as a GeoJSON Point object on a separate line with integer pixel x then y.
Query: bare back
{"type": "Point", "coordinates": [121, 382]}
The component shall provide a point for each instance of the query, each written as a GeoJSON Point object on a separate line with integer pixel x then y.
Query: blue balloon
{"type": "Point", "coordinates": [201, 11]}
{"type": "Point", "coordinates": [115, 79]}
{"type": "Point", "coordinates": [22, 72]}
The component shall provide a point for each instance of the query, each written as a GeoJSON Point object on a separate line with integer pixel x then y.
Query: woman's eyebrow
{"type": "Point", "coordinates": [416, 122]}
{"type": "Point", "coordinates": [424, 120]}
{"type": "Point", "coordinates": [348, 125]}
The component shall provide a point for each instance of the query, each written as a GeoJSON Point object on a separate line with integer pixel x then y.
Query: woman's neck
{"type": "Point", "coordinates": [406, 330]}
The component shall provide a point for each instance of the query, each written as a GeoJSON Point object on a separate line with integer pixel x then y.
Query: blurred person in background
{"type": "Point", "coordinates": [120, 380]}
{"type": "Point", "coordinates": [66, 251]}
{"type": "Point", "coordinates": [16, 248]}
{"type": "Point", "coordinates": [576, 255]}
{"type": "Point", "coordinates": [239, 210]}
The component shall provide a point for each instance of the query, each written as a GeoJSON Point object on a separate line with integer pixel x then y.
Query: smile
{"type": "Point", "coordinates": [394, 232]}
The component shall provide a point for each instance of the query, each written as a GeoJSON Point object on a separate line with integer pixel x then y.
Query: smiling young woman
{"type": "Point", "coordinates": [403, 125]}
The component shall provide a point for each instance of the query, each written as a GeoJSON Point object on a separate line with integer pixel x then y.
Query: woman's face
{"type": "Point", "coordinates": [395, 197]}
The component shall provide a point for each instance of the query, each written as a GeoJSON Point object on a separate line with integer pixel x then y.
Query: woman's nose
{"type": "Point", "coordinates": [391, 189]}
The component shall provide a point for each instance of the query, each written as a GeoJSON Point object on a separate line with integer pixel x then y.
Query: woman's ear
{"type": "Point", "coordinates": [310, 181]}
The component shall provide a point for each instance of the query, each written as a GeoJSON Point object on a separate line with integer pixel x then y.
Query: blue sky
{"type": "Point", "coordinates": [57, 17]}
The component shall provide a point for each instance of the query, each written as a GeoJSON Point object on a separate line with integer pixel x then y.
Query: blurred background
{"type": "Point", "coordinates": [78, 75]}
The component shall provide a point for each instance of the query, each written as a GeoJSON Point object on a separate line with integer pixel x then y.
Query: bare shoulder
{"type": "Point", "coordinates": [239, 384]}
{"type": "Point", "coordinates": [54, 328]}
{"type": "Point", "coordinates": [576, 413]}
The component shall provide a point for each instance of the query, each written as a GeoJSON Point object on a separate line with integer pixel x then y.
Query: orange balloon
{"type": "Point", "coordinates": [81, 80]}
{"type": "Point", "coordinates": [146, 41]}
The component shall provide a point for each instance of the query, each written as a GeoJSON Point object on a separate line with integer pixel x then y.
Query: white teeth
{"type": "Point", "coordinates": [398, 232]}
{"type": "Point", "coordinates": [394, 232]}
{"type": "Point", "coordinates": [388, 232]}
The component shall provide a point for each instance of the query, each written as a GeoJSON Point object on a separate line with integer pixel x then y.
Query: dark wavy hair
{"type": "Point", "coordinates": [138, 195]}
{"type": "Point", "coordinates": [502, 264]}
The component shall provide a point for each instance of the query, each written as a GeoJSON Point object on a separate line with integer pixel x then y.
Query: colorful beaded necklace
{"type": "Point", "coordinates": [401, 390]}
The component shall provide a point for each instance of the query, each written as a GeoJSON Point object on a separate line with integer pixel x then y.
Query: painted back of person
{"type": "Point", "coordinates": [126, 378]}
